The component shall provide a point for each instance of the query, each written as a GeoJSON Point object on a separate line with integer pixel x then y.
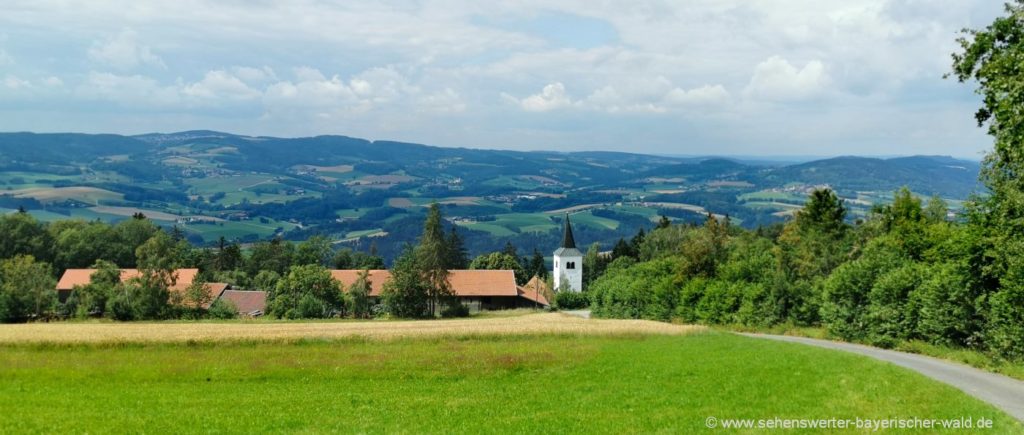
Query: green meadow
{"type": "Point", "coordinates": [492, 384]}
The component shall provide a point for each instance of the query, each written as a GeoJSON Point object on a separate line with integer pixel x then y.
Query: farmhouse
{"type": "Point", "coordinates": [248, 303]}
{"type": "Point", "coordinates": [477, 289]}
{"type": "Point", "coordinates": [183, 278]}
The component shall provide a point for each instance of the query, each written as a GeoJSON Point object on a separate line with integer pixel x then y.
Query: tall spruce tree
{"type": "Point", "coordinates": [432, 260]}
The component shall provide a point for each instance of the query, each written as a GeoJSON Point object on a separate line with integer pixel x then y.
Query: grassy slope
{"type": "Point", "coordinates": [496, 384]}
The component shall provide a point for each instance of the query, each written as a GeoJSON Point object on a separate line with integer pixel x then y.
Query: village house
{"type": "Point", "coordinates": [476, 289]}
{"type": "Point", "coordinates": [183, 279]}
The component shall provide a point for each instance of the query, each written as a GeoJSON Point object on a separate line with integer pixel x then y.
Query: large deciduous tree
{"type": "Point", "coordinates": [991, 57]}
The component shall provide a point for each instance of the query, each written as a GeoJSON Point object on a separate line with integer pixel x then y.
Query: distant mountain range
{"type": "Point", "coordinates": [295, 186]}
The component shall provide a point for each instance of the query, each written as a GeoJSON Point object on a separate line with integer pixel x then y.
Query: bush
{"type": "Point", "coordinates": [644, 290]}
{"type": "Point", "coordinates": [222, 309]}
{"type": "Point", "coordinates": [455, 309]}
{"type": "Point", "coordinates": [570, 300]}
{"type": "Point", "coordinates": [120, 307]}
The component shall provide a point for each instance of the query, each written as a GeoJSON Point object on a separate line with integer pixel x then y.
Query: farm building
{"type": "Point", "coordinates": [183, 278]}
{"type": "Point", "coordinates": [248, 303]}
{"type": "Point", "coordinates": [477, 289]}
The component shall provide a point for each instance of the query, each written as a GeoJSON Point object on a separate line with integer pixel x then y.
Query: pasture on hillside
{"type": "Point", "coordinates": [532, 373]}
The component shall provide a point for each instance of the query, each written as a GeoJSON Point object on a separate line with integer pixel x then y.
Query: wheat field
{"type": "Point", "coordinates": [168, 332]}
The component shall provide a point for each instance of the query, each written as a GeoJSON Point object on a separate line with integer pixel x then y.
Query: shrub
{"type": "Point", "coordinates": [632, 290]}
{"type": "Point", "coordinates": [455, 309]}
{"type": "Point", "coordinates": [892, 312]}
{"type": "Point", "coordinates": [570, 300]}
{"type": "Point", "coordinates": [222, 309]}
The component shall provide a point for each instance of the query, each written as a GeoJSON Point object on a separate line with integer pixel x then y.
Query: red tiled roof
{"type": "Point", "coordinates": [536, 290]}
{"type": "Point", "coordinates": [247, 302]}
{"type": "Point", "coordinates": [75, 277]}
{"type": "Point", "coordinates": [377, 279]}
{"type": "Point", "coordinates": [463, 282]}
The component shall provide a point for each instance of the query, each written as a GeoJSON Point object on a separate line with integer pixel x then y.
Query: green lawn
{"type": "Point", "coordinates": [538, 384]}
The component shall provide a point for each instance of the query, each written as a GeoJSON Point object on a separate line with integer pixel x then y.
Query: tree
{"type": "Point", "coordinates": [93, 297]}
{"type": "Point", "coordinates": [500, 261]}
{"type": "Point", "coordinates": [149, 293]}
{"type": "Point", "coordinates": [315, 250]}
{"type": "Point", "coordinates": [134, 232]}
{"type": "Point", "coordinates": [229, 256]}
{"type": "Point", "coordinates": [406, 294]}
{"type": "Point", "coordinates": [991, 58]}
{"type": "Point", "coordinates": [266, 280]}
{"type": "Point", "coordinates": [432, 260]}
{"type": "Point", "coordinates": [359, 295]}
{"type": "Point", "coordinates": [823, 212]}
{"type": "Point", "coordinates": [538, 267]}
{"type": "Point", "coordinates": [26, 289]}
{"type": "Point", "coordinates": [197, 297]}
{"type": "Point", "coordinates": [664, 222]}
{"type": "Point", "coordinates": [936, 210]}
{"type": "Point", "coordinates": [275, 255]}
{"type": "Point", "coordinates": [594, 265]}
{"type": "Point", "coordinates": [222, 309]}
{"type": "Point", "coordinates": [22, 234]}
{"type": "Point", "coordinates": [307, 291]}
{"type": "Point", "coordinates": [457, 258]}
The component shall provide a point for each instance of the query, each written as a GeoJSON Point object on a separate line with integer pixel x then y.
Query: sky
{"type": "Point", "coordinates": [684, 77]}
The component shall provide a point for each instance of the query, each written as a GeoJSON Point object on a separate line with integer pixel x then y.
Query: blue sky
{"type": "Point", "coordinates": [725, 77]}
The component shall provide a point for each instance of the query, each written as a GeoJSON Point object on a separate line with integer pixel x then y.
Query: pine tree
{"type": "Point", "coordinates": [457, 256]}
{"type": "Point", "coordinates": [432, 259]}
{"type": "Point", "coordinates": [664, 222]}
{"type": "Point", "coordinates": [537, 265]}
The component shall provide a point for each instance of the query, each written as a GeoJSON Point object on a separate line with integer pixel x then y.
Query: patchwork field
{"type": "Point", "coordinates": [91, 195]}
{"type": "Point", "coordinates": [535, 373]}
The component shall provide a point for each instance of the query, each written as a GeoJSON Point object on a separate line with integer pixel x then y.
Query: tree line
{"type": "Point", "coordinates": [296, 276]}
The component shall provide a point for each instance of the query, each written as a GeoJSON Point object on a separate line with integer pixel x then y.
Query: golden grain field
{"type": "Point", "coordinates": [545, 323]}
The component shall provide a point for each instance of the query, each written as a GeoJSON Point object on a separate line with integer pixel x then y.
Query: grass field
{"type": "Point", "coordinates": [538, 383]}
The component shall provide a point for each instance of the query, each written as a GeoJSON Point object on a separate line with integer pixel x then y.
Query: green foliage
{"type": "Point", "coordinates": [222, 309]}
{"type": "Point", "coordinates": [26, 289]}
{"type": "Point", "coordinates": [500, 261]}
{"type": "Point", "coordinates": [359, 295]}
{"type": "Point", "coordinates": [570, 300]}
{"type": "Point", "coordinates": [265, 280]}
{"type": "Point", "coordinates": [845, 298]}
{"type": "Point", "coordinates": [22, 234]}
{"type": "Point", "coordinates": [432, 257]}
{"type": "Point", "coordinates": [91, 299]}
{"type": "Point", "coordinates": [307, 291]}
{"type": "Point", "coordinates": [636, 290]}
{"type": "Point", "coordinates": [405, 294]}
{"type": "Point", "coordinates": [455, 309]}
{"type": "Point", "coordinates": [315, 250]}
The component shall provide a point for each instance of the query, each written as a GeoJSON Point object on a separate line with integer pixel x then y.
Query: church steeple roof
{"type": "Point", "coordinates": [567, 239]}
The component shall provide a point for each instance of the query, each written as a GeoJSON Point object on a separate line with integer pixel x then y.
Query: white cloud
{"type": "Point", "coordinates": [398, 60]}
{"type": "Point", "coordinates": [220, 85]}
{"type": "Point", "coordinates": [5, 58]}
{"type": "Point", "coordinates": [777, 79]}
{"type": "Point", "coordinates": [124, 52]}
{"type": "Point", "coordinates": [129, 90]}
{"type": "Point", "coordinates": [704, 95]}
{"type": "Point", "coordinates": [444, 101]}
{"type": "Point", "coordinates": [552, 97]}
{"type": "Point", "coordinates": [254, 76]}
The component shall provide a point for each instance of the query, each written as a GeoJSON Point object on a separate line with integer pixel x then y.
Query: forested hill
{"type": "Point", "coordinates": [213, 184]}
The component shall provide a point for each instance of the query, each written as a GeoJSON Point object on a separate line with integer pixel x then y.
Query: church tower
{"type": "Point", "coordinates": [568, 262]}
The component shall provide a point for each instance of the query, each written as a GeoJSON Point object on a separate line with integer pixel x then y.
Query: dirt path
{"type": "Point", "coordinates": [1001, 391]}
